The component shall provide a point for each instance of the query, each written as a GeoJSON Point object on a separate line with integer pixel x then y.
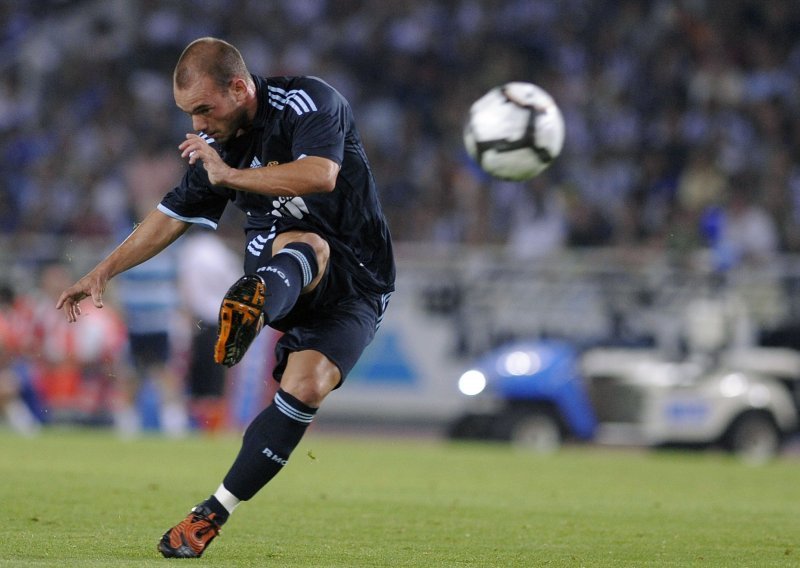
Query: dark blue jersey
{"type": "Point", "coordinates": [297, 117]}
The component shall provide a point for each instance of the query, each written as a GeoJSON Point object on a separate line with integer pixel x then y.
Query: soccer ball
{"type": "Point", "coordinates": [514, 131]}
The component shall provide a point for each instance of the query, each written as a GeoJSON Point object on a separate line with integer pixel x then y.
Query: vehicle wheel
{"type": "Point", "coordinates": [539, 432]}
{"type": "Point", "coordinates": [754, 437]}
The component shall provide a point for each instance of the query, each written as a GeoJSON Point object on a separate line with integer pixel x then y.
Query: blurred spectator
{"type": "Point", "coordinates": [537, 220]}
{"type": "Point", "coordinates": [741, 231]}
{"type": "Point", "coordinates": [75, 369]}
{"type": "Point", "coordinates": [204, 269]}
{"type": "Point", "coordinates": [149, 296]}
{"type": "Point", "coordinates": [17, 398]}
{"type": "Point", "coordinates": [701, 184]}
{"type": "Point", "coordinates": [586, 226]}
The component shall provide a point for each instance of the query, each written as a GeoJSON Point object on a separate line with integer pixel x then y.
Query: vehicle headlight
{"type": "Point", "coordinates": [733, 385]}
{"type": "Point", "coordinates": [519, 363]}
{"type": "Point", "coordinates": [472, 382]}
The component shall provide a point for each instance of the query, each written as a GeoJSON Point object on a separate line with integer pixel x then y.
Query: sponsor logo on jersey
{"type": "Point", "coordinates": [289, 207]}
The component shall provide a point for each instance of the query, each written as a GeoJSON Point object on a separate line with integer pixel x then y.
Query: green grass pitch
{"type": "Point", "coordinates": [81, 498]}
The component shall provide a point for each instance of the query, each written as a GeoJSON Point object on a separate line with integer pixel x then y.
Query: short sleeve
{"type": "Point", "coordinates": [195, 200]}
{"type": "Point", "coordinates": [319, 123]}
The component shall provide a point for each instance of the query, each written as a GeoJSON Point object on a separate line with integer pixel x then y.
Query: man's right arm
{"type": "Point", "coordinates": [150, 237]}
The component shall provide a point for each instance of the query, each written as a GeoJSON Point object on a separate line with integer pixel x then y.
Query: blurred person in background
{"type": "Point", "coordinates": [537, 218]}
{"type": "Point", "coordinates": [701, 184]}
{"type": "Point", "coordinates": [205, 265]}
{"type": "Point", "coordinates": [76, 370]}
{"type": "Point", "coordinates": [318, 264]}
{"type": "Point", "coordinates": [17, 398]}
{"type": "Point", "coordinates": [741, 230]}
{"type": "Point", "coordinates": [148, 294]}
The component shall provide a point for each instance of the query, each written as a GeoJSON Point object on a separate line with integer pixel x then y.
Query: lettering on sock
{"type": "Point", "coordinates": [280, 274]}
{"type": "Point", "coordinates": [274, 457]}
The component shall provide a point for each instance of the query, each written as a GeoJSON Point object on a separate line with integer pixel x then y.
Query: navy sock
{"type": "Point", "coordinates": [267, 444]}
{"type": "Point", "coordinates": [222, 513]}
{"type": "Point", "coordinates": [290, 270]}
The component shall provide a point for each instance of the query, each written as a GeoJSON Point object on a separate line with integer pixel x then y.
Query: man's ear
{"type": "Point", "coordinates": [239, 87]}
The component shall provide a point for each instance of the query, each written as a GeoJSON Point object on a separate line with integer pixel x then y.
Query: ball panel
{"type": "Point", "coordinates": [514, 131]}
{"type": "Point", "coordinates": [514, 165]}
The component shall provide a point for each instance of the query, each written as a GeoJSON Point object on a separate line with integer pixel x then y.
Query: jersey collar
{"type": "Point", "coordinates": [263, 111]}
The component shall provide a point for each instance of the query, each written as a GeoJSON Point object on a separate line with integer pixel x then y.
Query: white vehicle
{"type": "Point", "coordinates": [536, 394]}
{"type": "Point", "coordinates": [745, 400]}
{"type": "Point", "coordinates": [706, 385]}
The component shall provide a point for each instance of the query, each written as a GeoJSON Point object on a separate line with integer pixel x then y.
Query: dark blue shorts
{"type": "Point", "coordinates": [149, 349]}
{"type": "Point", "coordinates": [204, 377]}
{"type": "Point", "coordinates": [336, 319]}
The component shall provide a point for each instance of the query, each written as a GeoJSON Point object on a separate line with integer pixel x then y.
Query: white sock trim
{"type": "Point", "coordinates": [226, 498]}
{"type": "Point", "coordinates": [305, 267]}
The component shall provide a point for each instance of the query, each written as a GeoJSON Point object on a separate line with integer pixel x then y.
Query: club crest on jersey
{"type": "Point", "coordinates": [256, 163]}
{"type": "Point", "coordinates": [289, 206]}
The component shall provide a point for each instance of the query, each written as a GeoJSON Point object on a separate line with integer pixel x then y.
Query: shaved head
{"type": "Point", "coordinates": [209, 57]}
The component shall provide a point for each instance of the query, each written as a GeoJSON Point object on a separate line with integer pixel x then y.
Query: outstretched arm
{"type": "Point", "coordinates": [153, 235]}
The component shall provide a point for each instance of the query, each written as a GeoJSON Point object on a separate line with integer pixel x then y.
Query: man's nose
{"type": "Point", "coordinates": [198, 123]}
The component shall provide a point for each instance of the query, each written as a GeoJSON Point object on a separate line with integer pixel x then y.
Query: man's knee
{"type": "Point", "coordinates": [310, 390]}
{"type": "Point", "coordinates": [309, 377]}
{"type": "Point", "coordinates": [320, 246]}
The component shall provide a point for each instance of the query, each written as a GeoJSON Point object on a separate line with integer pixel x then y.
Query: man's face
{"type": "Point", "coordinates": [215, 111]}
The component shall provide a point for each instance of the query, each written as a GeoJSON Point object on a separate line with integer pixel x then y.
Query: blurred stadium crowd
{"type": "Point", "coordinates": [672, 106]}
{"type": "Point", "coordinates": [683, 126]}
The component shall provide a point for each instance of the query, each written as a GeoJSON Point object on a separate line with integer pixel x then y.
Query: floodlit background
{"type": "Point", "coordinates": [678, 182]}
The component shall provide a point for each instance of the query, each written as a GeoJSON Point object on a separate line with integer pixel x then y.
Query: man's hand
{"type": "Point", "coordinates": [195, 148]}
{"type": "Point", "coordinates": [92, 285]}
{"type": "Point", "coordinates": [155, 233]}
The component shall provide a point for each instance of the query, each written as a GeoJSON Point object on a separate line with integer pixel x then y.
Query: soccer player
{"type": "Point", "coordinates": [318, 260]}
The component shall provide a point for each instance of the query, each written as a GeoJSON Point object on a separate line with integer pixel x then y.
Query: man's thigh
{"type": "Point", "coordinates": [339, 332]}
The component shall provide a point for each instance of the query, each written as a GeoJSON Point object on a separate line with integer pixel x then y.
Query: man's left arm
{"type": "Point", "coordinates": [310, 174]}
